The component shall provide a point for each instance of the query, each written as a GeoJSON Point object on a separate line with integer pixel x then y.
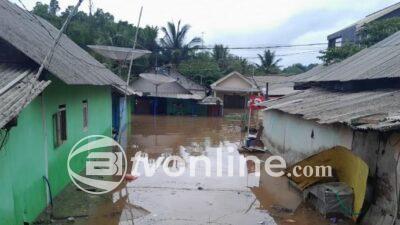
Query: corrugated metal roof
{"type": "Point", "coordinates": [271, 79]}
{"type": "Point", "coordinates": [381, 60]}
{"type": "Point", "coordinates": [186, 82]}
{"type": "Point", "coordinates": [211, 100]}
{"type": "Point", "coordinates": [17, 90]}
{"type": "Point", "coordinates": [166, 89]}
{"type": "Point", "coordinates": [377, 110]}
{"type": "Point", "coordinates": [70, 63]}
{"type": "Point", "coordinates": [278, 85]}
{"type": "Point", "coordinates": [234, 89]}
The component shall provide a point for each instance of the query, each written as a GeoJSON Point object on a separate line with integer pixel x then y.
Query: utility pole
{"type": "Point", "coordinates": [90, 7]}
{"type": "Point", "coordinates": [134, 47]}
{"type": "Point", "coordinates": [202, 40]}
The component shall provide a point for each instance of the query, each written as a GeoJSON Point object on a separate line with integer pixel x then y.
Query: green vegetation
{"type": "Point", "coordinates": [337, 54]}
{"type": "Point", "coordinates": [269, 63]}
{"type": "Point", "coordinates": [175, 49]}
{"type": "Point", "coordinates": [100, 28]}
{"type": "Point", "coordinates": [298, 68]}
{"type": "Point", "coordinates": [370, 34]}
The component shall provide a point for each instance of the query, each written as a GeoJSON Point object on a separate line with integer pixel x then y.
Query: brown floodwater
{"type": "Point", "coordinates": [186, 199]}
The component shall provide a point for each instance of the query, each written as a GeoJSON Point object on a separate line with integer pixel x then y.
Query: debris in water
{"type": "Point", "coordinates": [281, 209]}
{"type": "Point", "coordinates": [290, 221]}
{"type": "Point", "coordinates": [200, 188]}
{"type": "Point", "coordinates": [130, 177]}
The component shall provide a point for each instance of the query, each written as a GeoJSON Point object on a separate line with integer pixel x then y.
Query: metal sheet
{"type": "Point", "coordinates": [376, 110]}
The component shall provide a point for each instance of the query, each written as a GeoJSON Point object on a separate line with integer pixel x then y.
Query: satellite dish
{"type": "Point", "coordinates": [157, 79]}
{"type": "Point", "coordinates": [119, 53]}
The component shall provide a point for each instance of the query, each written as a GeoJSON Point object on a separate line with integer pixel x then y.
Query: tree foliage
{"type": "Point", "coordinates": [174, 43]}
{"type": "Point", "coordinates": [337, 54]}
{"type": "Point", "coordinates": [174, 46]}
{"type": "Point", "coordinates": [376, 31]}
{"type": "Point", "coordinates": [268, 62]}
{"type": "Point", "coordinates": [298, 68]}
{"type": "Point", "coordinates": [202, 68]}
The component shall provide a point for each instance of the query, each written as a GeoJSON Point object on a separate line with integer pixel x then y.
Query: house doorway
{"type": "Point", "coordinates": [234, 101]}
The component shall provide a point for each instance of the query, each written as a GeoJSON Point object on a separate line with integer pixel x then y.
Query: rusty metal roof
{"type": "Point", "coordinates": [17, 90]}
{"type": "Point", "coordinates": [376, 110]}
{"type": "Point", "coordinates": [70, 63]}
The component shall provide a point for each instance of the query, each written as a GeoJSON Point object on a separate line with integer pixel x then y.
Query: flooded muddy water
{"type": "Point", "coordinates": [186, 199]}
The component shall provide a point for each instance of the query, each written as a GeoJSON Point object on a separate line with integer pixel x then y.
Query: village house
{"type": "Point", "coordinates": [235, 89]}
{"type": "Point", "coordinates": [40, 120]}
{"type": "Point", "coordinates": [347, 111]}
{"type": "Point", "coordinates": [351, 34]}
{"type": "Point", "coordinates": [180, 96]}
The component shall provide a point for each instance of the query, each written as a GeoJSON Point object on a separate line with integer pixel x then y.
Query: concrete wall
{"type": "Point", "coordinates": [27, 153]}
{"type": "Point", "coordinates": [295, 138]}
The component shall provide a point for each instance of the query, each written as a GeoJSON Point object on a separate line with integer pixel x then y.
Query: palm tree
{"type": "Point", "coordinates": [220, 55]}
{"type": "Point", "coordinates": [269, 63]}
{"type": "Point", "coordinates": [147, 39]}
{"type": "Point", "coordinates": [173, 42]}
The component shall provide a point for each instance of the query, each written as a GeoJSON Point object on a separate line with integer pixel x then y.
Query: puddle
{"type": "Point", "coordinates": [162, 199]}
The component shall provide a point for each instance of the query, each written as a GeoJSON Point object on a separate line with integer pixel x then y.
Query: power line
{"type": "Point", "coordinates": [266, 47]}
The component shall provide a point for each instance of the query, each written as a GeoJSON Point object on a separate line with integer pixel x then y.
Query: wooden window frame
{"type": "Point", "coordinates": [60, 126]}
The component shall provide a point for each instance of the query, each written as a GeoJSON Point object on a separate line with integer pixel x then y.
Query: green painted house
{"type": "Point", "coordinates": [40, 120]}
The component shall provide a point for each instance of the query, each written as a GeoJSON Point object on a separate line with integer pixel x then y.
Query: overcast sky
{"type": "Point", "coordinates": [247, 23]}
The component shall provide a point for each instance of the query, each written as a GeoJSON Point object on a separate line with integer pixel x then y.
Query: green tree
{"type": "Point", "coordinates": [376, 31]}
{"type": "Point", "coordinates": [201, 68]}
{"type": "Point", "coordinates": [268, 63]}
{"type": "Point", "coordinates": [337, 54]}
{"type": "Point", "coordinates": [175, 48]}
{"type": "Point", "coordinates": [221, 55]}
{"type": "Point", "coordinates": [298, 68]}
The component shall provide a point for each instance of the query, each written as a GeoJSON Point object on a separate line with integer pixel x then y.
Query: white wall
{"type": "Point", "coordinates": [290, 136]}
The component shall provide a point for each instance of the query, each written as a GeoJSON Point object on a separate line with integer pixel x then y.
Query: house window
{"type": "Point", "coordinates": [339, 42]}
{"type": "Point", "coordinates": [85, 110]}
{"type": "Point", "coordinates": [60, 125]}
